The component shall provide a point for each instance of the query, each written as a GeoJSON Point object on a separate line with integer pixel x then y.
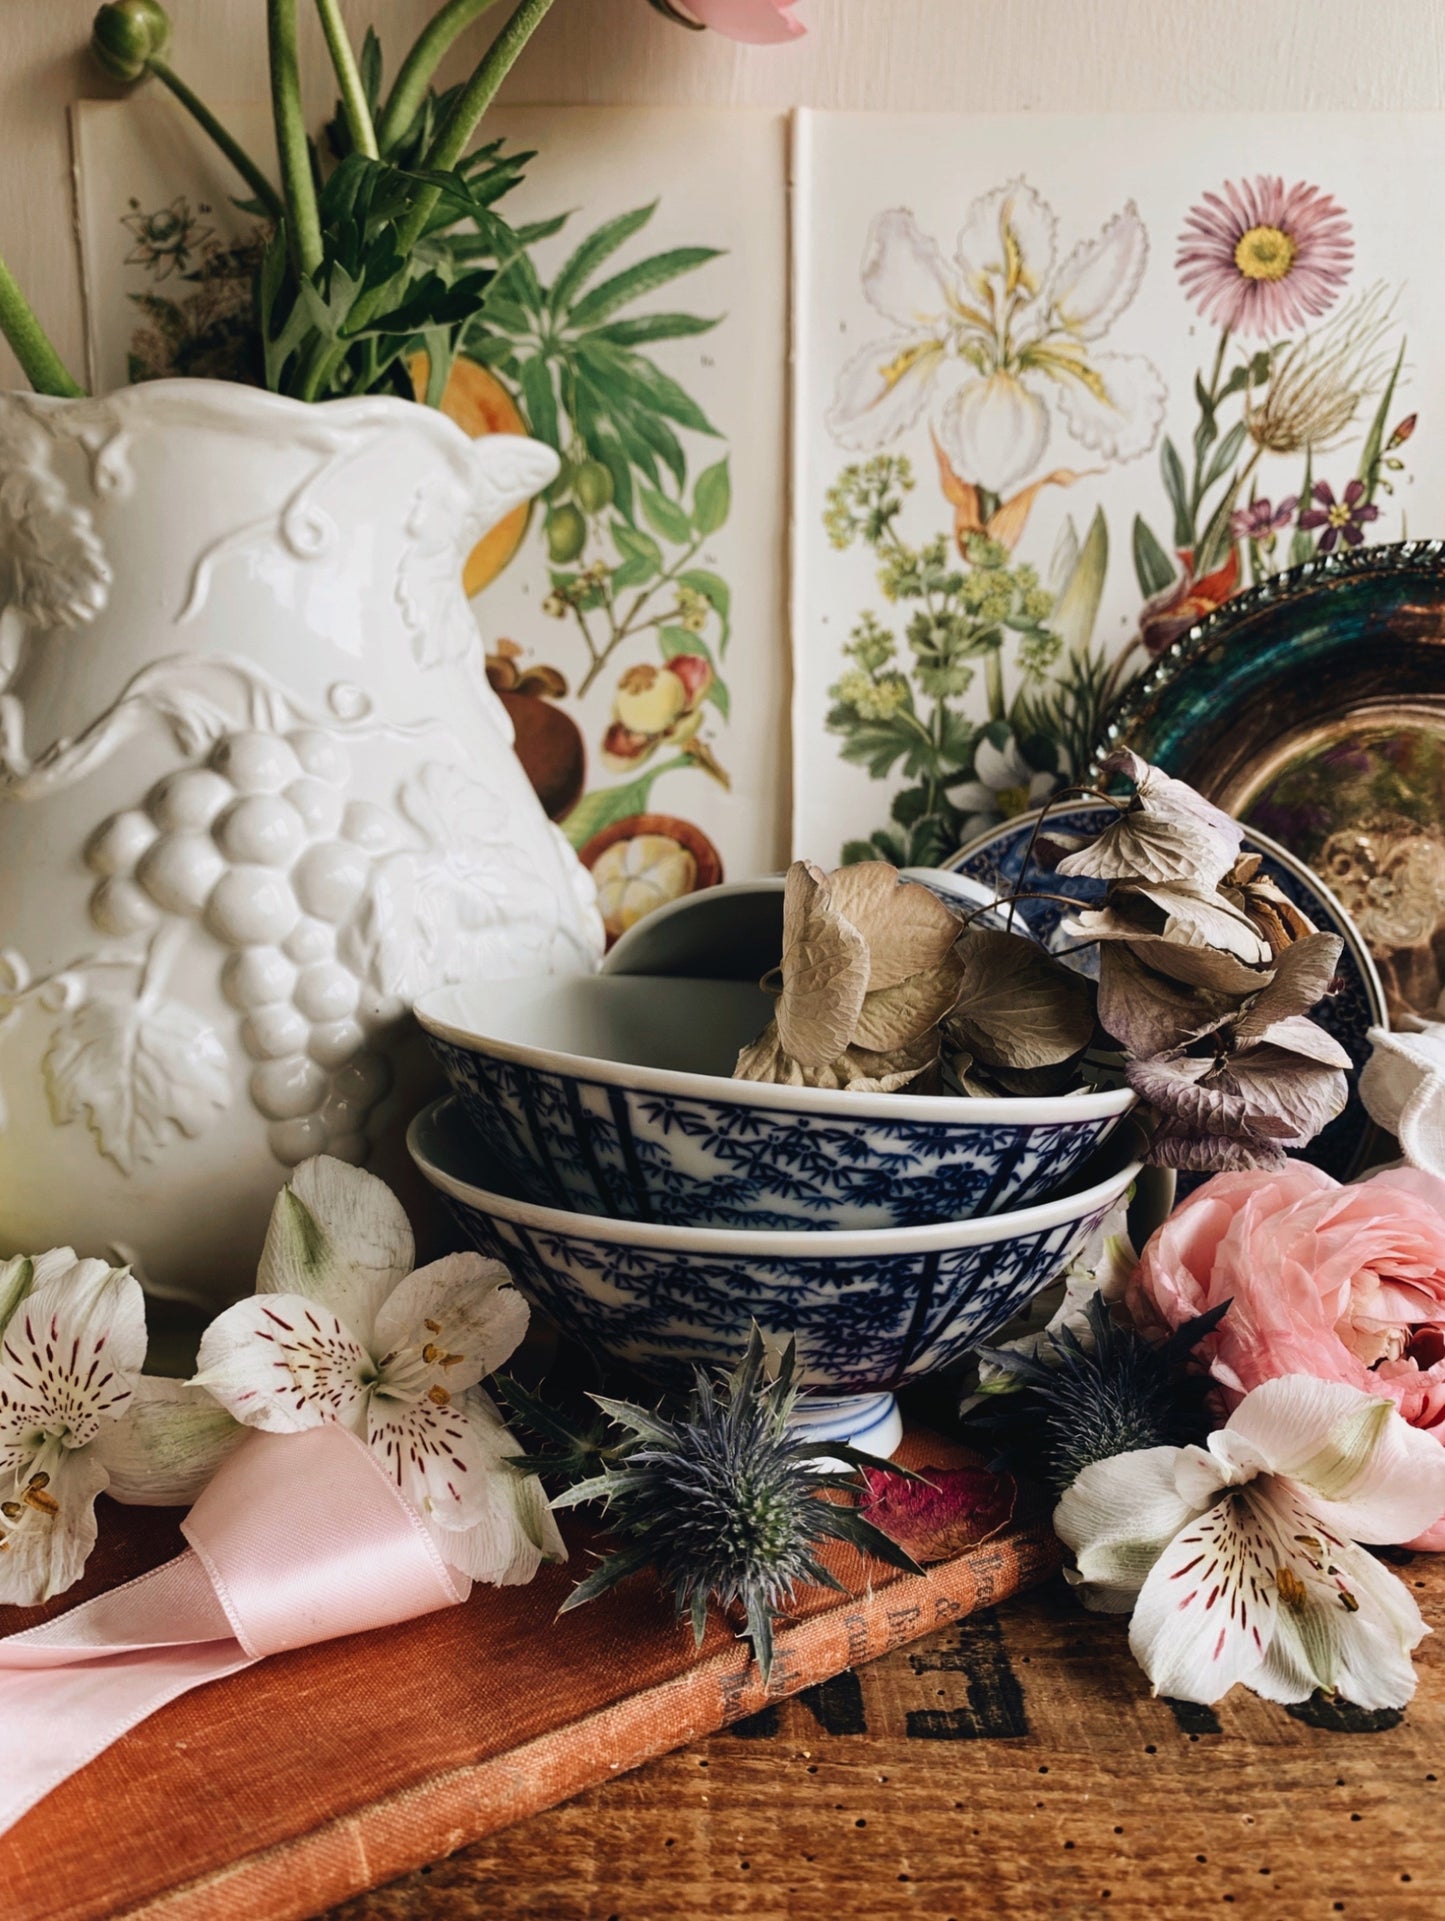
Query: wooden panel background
{"type": "Point", "coordinates": [1014, 1765]}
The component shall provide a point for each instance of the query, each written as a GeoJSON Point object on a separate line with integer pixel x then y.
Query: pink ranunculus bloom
{"type": "Point", "coordinates": [1346, 1283]}
{"type": "Point", "coordinates": [761, 23]}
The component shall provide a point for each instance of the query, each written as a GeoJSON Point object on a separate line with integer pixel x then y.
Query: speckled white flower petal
{"type": "Point", "coordinates": [339, 1236]}
{"type": "Point", "coordinates": [284, 1363]}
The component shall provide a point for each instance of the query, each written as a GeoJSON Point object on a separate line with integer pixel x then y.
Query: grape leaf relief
{"type": "Point", "coordinates": [136, 1071]}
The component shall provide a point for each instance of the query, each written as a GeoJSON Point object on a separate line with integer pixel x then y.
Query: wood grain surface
{"type": "Point", "coordinates": [1014, 1765]}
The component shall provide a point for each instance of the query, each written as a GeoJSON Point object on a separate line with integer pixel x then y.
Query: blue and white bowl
{"type": "Point", "coordinates": [612, 1095]}
{"type": "Point", "coordinates": [870, 1310]}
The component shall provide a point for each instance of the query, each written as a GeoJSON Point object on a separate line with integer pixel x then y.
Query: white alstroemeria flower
{"type": "Point", "coordinates": [996, 345]}
{"type": "Point", "coordinates": [1239, 1558]}
{"type": "Point", "coordinates": [1403, 1088]}
{"type": "Point", "coordinates": [74, 1340]}
{"type": "Point", "coordinates": [342, 1329]}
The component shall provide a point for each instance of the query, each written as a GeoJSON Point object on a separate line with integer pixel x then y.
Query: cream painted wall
{"type": "Point", "coordinates": [966, 55]}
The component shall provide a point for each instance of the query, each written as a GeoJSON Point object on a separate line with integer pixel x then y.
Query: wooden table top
{"type": "Point", "coordinates": [1015, 1764]}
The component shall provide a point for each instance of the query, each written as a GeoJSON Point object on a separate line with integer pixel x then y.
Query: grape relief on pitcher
{"type": "Point", "coordinates": [330, 911]}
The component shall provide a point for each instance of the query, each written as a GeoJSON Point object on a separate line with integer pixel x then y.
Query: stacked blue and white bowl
{"type": "Point", "coordinates": [595, 1142]}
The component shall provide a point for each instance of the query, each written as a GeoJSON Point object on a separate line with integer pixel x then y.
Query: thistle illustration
{"type": "Point", "coordinates": [720, 1499]}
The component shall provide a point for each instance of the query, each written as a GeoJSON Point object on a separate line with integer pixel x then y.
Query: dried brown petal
{"type": "Point", "coordinates": [868, 1072]}
{"type": "Point", "coordinates": [1017, 1006]}
{"type": "Point", "coordinates": [1148, 1013]}
{"type": "Point", "coordinates": [1168, 834]}
{"type": "Point", "coordinates": [908, 929]}
{"type": "Point", "coordinates": [825, 971]}
{"type": "Point", "coordinates": [1267, 905]}
{"type": "Point", "coordinates": [1302, 978]}
{"type": "Point", "coordinates": [765, 1060]}
{"type": "Point", "coordinates": [1287, 1094]}
{"type": "Point", "coordinates": [1191, 936]}
{"type": "Point", "coordinates": [898, 1015]}
{"type": "Point", "coordinates": [1173, 1146]}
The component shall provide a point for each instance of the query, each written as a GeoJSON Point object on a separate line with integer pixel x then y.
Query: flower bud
{"type": "Point", "coordinates": [128, 35]}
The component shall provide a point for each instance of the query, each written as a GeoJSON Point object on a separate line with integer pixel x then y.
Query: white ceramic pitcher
{"type": "Point", "coordinates": [255, 794]}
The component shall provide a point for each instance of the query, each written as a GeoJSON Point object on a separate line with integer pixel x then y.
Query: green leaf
{"type": "Point", "coordinates": [1302, 541]}
{"type": "Point", "coordinates": [634, 282]}
{"type": "Point", "coordinates": [646, 328]}
{"type": "Point", "coordinates": [629, 376]}
{"type": "Point", "coordinates": [1154, 568]}
{"type": "Point", "coordinates": [1177, 489]}
{"type": "Point", "coordinates": [1224, 455]}
{"type": "Point", "coordinates": [716, 592]}
{"type": "Point", "coordinates": [1218, 536]}
{"type": "Point", "coordinates": [1369, 470]}
{"type": "Point", "coordinates": [634, 545]}
{"type": "Point", "coordinates": [670, 520]}
{"type": "Point", "coordinates": [673, 641]}
{"type": "Point", "coordinates": [606, 805]}
{"type": "Point", "coordinates": [717, 693]}
{"type": "Point", "coordinates": [538, 399]}
{"type": "Point", "coordinates": [1077, 607]}
{"type": "Point", "coordinates": [655, 432]}
{"type": "Point", "coordinates": [712, 498]}
{"type": "Point", "coordinates": [579, 268]}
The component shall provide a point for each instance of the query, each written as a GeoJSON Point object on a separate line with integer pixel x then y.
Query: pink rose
{"type": "Point", "coordinates": [760, 22]}
{"type": "Point", "coordinates": [1344, 1283]}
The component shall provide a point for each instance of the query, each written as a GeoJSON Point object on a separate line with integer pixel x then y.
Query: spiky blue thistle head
{"type": "Point", "coordinates": [722, 1501]}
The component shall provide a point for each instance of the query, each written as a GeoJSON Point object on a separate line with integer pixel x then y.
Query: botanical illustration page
{"type": "Point", "coordinates": [1063, 386]}
{"type": "Point", "coordinates": [632, 620]}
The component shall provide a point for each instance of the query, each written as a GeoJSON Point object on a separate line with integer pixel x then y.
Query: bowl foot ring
{"type": "Point", "coordinates": [868, 1421]}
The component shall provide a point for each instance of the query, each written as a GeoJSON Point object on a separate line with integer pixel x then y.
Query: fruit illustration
{"type": "Point", "coordinates": [645, 861]}
{"type": "Point", "coordinates": [655, 704]}
{"type": "Point", "coordinates": [548, 741]}
{"type": "Point", "coordinates": [478, 402]}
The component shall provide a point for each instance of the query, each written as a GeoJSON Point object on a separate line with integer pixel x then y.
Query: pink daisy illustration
{"type": "Point", "coordinates": [1263, 258]}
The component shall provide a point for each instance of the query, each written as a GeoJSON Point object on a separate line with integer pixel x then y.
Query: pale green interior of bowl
{"type": "Point", "coordinates": [687, 1026]}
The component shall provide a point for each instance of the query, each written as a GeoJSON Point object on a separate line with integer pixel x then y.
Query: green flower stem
{"type": "Point", "coordinates": [446, 150]}
{"type": "Point", "coordinates": [303, 223]}
{"type": "Point", "coordinates": [40, 363]}
{"type": "Point", "coordinates": [198, 110]}
{"type": "Point", "coordinates": [455, 133]}
{"type": "Point", "coordinates": [405, 100]}
{"type": "Point", "coordinates": [353, 95]}
{"type": "Point", "coordinates": [993, 684]}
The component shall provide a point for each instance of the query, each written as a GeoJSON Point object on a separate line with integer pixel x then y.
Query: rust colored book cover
{"type": "Point", "coordinates": [282, 1790]}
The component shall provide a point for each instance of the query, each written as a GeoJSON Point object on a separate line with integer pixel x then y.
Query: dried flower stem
{"type": "Point", "coordinates": [29, 342]}
{"type": "Point", "coordinates": [353, 95]}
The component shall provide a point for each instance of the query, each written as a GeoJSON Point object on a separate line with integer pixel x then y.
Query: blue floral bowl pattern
{"type": "Point", "coordinates": [639, 1143]}
{"type": "Point", "coordinates": [870, 1311]}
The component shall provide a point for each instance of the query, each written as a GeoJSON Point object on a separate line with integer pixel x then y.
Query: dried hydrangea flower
{"type": "Point", "coordinates": [1270, 1079]}
{"type": "Point", "coordinates": [868, 971]}
{"type": "Point", "coordinates": [1166, 834]}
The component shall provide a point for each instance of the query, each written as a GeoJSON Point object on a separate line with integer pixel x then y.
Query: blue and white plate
{"type": "Point", "coordinates": [996, 861]}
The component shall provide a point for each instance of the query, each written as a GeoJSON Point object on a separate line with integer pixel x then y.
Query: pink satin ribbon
{"type": "Point", "coordinates": [299, 1538]}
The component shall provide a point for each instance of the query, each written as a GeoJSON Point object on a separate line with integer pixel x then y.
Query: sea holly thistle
{"type": "Point", "coordinates": [723, 1503]}
{"type": "Point", "coordinates": [1077, 1396]}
